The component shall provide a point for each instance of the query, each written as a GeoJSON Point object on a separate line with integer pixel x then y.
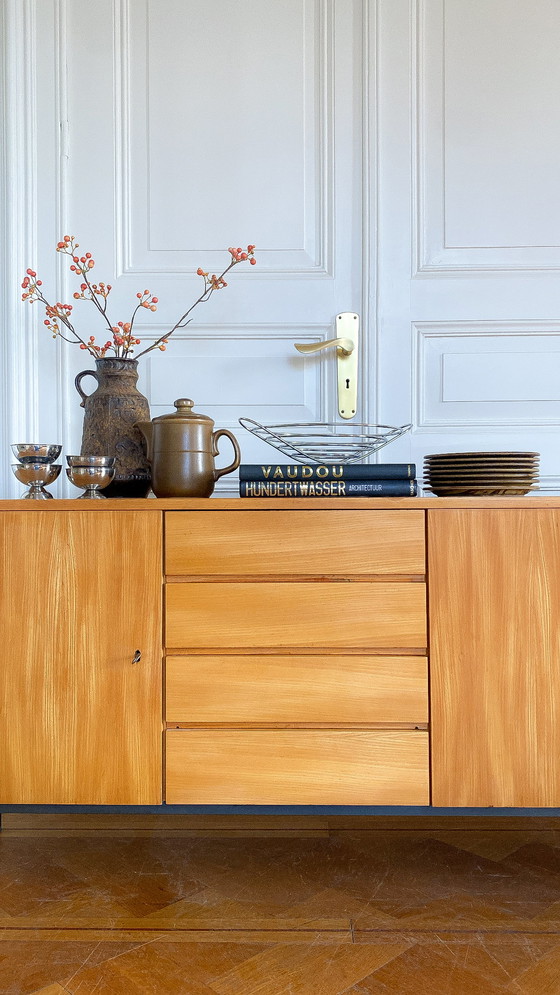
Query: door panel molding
{"type": "Point", "coordinates": [453, 231]}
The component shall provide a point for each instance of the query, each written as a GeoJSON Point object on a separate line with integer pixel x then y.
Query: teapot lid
{"type": "Point", "coordinates": [185, 413]}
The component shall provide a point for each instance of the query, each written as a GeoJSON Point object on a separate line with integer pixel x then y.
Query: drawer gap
{"type": "Point", "coordinates": [295, 578]}
{"type": "Point", "coordinates": [296, 651]}
{"type": "Point", "coordinates": [248, 726]}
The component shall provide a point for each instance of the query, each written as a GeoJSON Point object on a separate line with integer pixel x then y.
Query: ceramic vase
{"type": "Point", "coordinates": [111, 412]}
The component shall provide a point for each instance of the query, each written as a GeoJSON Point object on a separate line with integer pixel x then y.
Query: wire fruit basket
{"type": "Point", "coordinates": [325, 442]}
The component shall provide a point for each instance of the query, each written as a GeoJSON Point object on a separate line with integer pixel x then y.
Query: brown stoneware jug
{"type": "Point", "coordinates": [181, 449]}
{"type": "Point", "coordinates": [111, 412]}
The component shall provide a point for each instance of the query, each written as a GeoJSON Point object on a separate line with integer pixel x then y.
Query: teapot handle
{"type": "Point", "coordinates": [237, 459]}
{"type": "Point", "coordinates": [78, 381]}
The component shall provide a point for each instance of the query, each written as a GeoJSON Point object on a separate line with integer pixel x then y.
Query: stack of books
{"type": "Point", "coordinates": [327, 480]}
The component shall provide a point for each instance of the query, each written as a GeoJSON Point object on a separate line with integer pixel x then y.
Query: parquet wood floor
{"type": "Point", "coordinates": [270, 905]}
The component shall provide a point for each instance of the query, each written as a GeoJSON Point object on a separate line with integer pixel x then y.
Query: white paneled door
{"type": "Point", "coordinates": [394, 158]}
{"type": "Point", "coordinates": [469, 224]}
{"type": "Point", "coordinates": [165, 131]}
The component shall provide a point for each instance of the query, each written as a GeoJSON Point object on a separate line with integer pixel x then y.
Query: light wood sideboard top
{"type": "Point", "coordinates": [279, 504]}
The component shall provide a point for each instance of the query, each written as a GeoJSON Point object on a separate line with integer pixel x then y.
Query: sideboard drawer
{"type": "Point", "coordinates": [261, 543]}
{"type": "Point", "coordinates": [322, 689]}
{"type": "Point", "coordinates": [296, 767]}
{"type": "Point", "coordinates": [307, 615]}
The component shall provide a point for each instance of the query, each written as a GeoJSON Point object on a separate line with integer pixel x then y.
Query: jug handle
{"type": "Point", "coordinates": [237, 459]}
{"type": "Point", "coordinates": [78, 381]}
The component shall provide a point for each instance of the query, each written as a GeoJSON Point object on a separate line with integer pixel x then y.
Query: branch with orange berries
{"type": "Point", "coordinates": [122, 336]}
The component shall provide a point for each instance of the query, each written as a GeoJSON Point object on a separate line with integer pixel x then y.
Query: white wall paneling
{"type": "Point", "coordinates": [157, 134]}
{"type": "Point", "coordinates": [487, 374]}
{"type": "Point", "coordinates": [189, 127]}
{"type": "Point", "coordinates": [397, 158]}
{"type": "Point", "coordinates": [244, 137]}
{"type": "Point", "coordinates": [36, 381]}
{"type": "Point", "coordinates": [469, 226]}
{"type": "Point", "coordinates": [18, 351]}
{"type": "Point", "coordinates": [487, 135]}
{"type": "Point", "coordinates": [488, 385]}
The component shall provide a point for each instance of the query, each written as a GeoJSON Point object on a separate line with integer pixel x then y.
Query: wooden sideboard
{"type": "Point", "coordinates": [360, 651]}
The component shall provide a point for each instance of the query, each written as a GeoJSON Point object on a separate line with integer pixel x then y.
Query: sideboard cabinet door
{"type": "Point", "coordinates": [494, 595]}
{"type": "Point", "coordinates": [80, 595]}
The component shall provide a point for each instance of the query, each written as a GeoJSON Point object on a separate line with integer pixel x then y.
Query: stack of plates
{"type": "Point", "coordinates": [449, 474]}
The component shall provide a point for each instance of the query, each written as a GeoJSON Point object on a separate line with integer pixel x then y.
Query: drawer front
{"type": "Point", "coordinates": [307, 689]}
{"type": "Point", "coordinates": [296, 767]}
{"type": "Point", "coordinates": [284, 614]}
{"type": "Point", "coordinates": [260, 543]}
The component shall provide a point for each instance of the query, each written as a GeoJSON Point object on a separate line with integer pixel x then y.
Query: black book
{"type": "Point", "coordinates": [327, 488]}
{"type": "Point", "coordinates": [327, 471]}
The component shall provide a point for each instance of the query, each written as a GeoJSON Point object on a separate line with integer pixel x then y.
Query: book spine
{"type": "Point", "coordinates": [327, 488]}
{"type": "Point", "coordinates": [335, 471]}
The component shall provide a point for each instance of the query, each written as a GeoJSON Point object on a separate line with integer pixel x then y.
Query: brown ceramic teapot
{"type": "Point", "coordinates": [181, 449]}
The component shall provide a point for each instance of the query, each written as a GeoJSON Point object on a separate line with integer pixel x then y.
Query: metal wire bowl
{"type": "Point", "coordinates": [325, 442]}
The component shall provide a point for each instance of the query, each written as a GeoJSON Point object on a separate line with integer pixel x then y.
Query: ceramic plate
{"type": "Point", "coordinates": [476, 475]}
{"type": "Point", "coordinates": [511, 454]}
{"type": "Point", "coordinates": [478, 491]}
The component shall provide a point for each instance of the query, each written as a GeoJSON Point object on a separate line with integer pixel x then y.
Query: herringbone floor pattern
{"type": "Point", "coordinates": [221, 905]}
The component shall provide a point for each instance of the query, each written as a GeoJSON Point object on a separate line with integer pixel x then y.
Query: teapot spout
{"type": "Point", "coordinates": [146, 429]}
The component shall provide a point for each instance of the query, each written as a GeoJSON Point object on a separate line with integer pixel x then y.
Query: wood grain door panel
{"type": "Point", "coordinates": [495, 657]}
{"type": "Point", "coordinates": [81, 724]}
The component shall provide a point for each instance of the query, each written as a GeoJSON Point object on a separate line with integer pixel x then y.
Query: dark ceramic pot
{"type": "Point", "coordinates": [109, 424]}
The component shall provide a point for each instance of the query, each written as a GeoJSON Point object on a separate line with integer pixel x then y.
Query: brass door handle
{"type": "Point", "coordinates": [346, 345]}
{"type": "Point", "coordinates": [137, 656]}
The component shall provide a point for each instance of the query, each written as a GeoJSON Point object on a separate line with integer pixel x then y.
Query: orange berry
{"type": "Point", "coordinates": [253, 261]}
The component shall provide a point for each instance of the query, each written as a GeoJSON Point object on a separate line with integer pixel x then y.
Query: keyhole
{"type": "Point", "coordinates": [347, 384]}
